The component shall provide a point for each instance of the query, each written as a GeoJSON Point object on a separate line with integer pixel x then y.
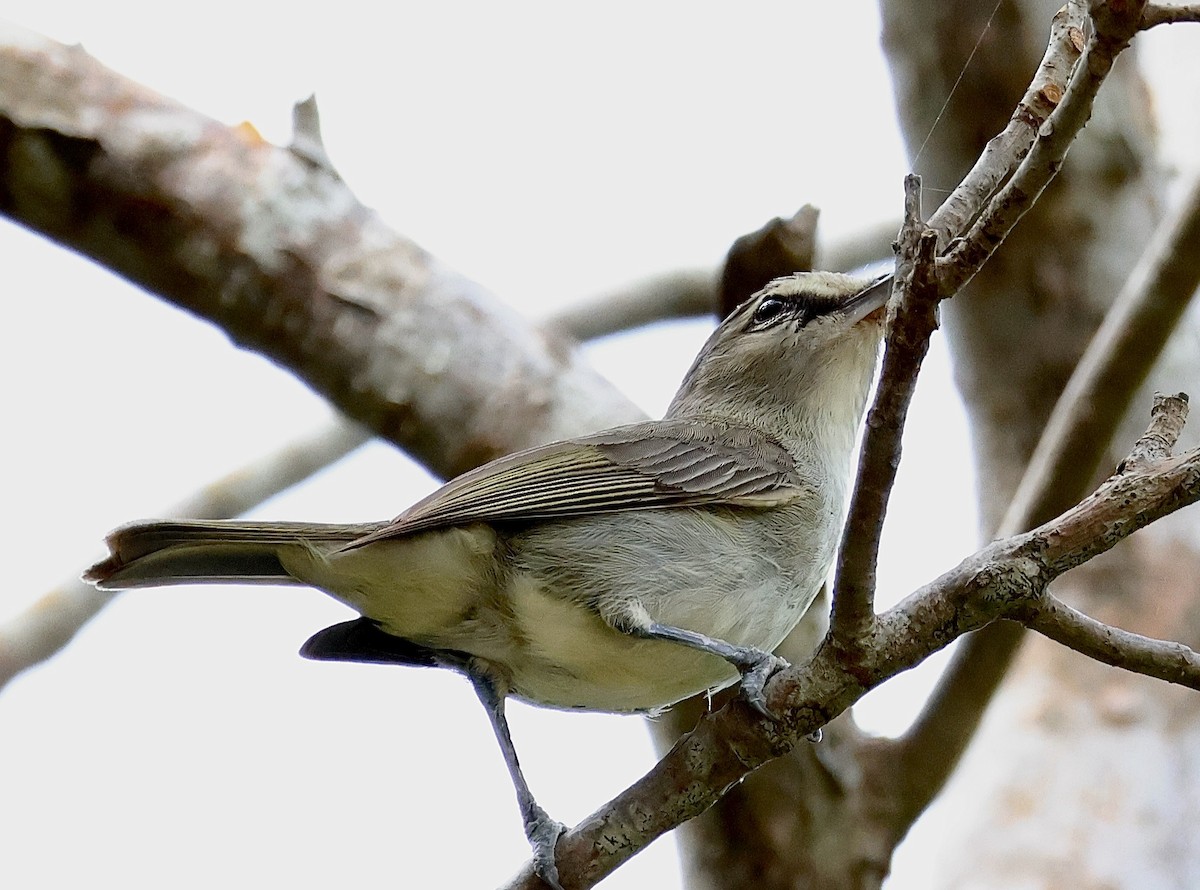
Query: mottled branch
{"type": "Point", "coordinates": [1006, 579]}
{"type": "Point", "coordinates": [1169, 13]}
{"type": "Point", "coordinates": [1113, 26]}
{"type": "Point", "coordinates": [912, 321]}
{"type": "Point", "coordinates": [1006, 149]}
{"type": "Point", "coordinates": [1161, 659]}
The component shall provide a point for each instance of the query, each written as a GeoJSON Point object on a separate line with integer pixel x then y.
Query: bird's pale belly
{"type": "Point", "coordinates": [554, 620]}
{"type": "Point", "coordinates": [570, 658]}
{"type": "Point", "coordinates": [734, 579]}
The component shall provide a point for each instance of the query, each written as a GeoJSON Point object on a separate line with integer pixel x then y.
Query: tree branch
{"type": "Point", "coordinates": [1007, 578]}
{"type": "Point", "coordinates": [681, 294]}
{"type": "Point", "coordinates": [1161, 659]}
{"type": "Point", "coordinates": [1005, 150]}
{"type": "Point", "coordinates": [1076, 437]}
{"type": "Point", "coordinates": [275, 249]}
{"type": "Point", "coordinates": [1114, 25]}
{"type": "Point", "coordinates": [912, 322]}
{"type": "Point", "coordinates": [1167, 14]}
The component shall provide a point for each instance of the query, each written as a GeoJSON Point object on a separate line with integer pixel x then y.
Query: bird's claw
{"type": "Point", "coordinates": [543, 833]}
{"type": "Point", "coordinates": [755, 674]}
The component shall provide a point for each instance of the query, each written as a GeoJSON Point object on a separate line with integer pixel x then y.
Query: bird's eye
{"type": "Point", "coordinates": [768, 310]}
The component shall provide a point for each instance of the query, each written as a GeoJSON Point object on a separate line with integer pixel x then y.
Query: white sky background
{"type": "Point", "coordinates": [545, 150]}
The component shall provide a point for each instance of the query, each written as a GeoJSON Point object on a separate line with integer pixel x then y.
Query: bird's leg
{"type": "Point", "coordinates": [755, 665]}
{"type": "Point", "coordinates": [542, 831]}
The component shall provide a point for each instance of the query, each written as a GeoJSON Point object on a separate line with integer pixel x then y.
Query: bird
{"type": "Point", "coordinates": [620, 571]}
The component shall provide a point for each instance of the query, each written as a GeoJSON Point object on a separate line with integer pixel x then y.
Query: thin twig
{"type": "Point", "coordinates": [912, 323]}
{"type": "Point", "coordinates": [1165, 14]}
{"type": "Point", "coordinates": [1161, 659]}
{"type": "Point", "coordinates": [1006, 149]}
{"type": "Point", "coordinates": [1112, 31]}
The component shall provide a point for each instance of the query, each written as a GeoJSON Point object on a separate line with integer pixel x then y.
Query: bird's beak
{"type": "Point", "coordinates": [870, 300]}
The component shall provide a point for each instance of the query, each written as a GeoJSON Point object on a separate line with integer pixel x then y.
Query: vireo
{"type": "Point", "coordinates": [619, 571]}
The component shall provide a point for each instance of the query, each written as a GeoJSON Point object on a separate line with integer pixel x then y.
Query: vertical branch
{"type": "Point", "coordinates": [911, 322]}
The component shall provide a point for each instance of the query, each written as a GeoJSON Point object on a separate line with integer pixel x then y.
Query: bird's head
{"type": "Point", "coordinates": [796, 359]}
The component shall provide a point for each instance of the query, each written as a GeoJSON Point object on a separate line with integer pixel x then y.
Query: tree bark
{"type": "Point", "coordinates": [1080, 776]}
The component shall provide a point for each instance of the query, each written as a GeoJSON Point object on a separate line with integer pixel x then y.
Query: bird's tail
{"type": "Point", "coordinates": [160, 552]}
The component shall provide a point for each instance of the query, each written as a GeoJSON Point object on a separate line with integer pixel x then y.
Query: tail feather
{"type": "Point", "coordinates": [154, 553]}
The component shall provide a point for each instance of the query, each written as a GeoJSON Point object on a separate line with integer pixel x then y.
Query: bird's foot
{"type": "Point", "coordinates": [757, 668]}
{"type": "Point", "coordinates": [755, 665]}
{"type": "Point", "coordinates": [543, 833]}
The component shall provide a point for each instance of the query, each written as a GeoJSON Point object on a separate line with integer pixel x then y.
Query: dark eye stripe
{"type": "Point", "coordinates": [772, 310]}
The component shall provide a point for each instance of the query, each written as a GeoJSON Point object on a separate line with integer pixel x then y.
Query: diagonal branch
{"type": "Point", "coordinates": [681, 294]}
{"type": "Point", "coordinates": [1077, 436]}
{"type": "Point", "coordinates": [1007, 578]}
{"type": "Point", "coordinates": [1114, 25]}
{"type": "Point", "coordinates": [274, 248]}
{"type": "Point", "coordinates": [1167, 14]}
{"type": "Point", "coordinates": [1161, 659]}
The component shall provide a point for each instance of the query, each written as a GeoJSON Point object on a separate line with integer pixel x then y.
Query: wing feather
{"type": "Point", "coordinates": [655, 464]}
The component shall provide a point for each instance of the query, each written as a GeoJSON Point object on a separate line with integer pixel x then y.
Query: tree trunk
{"type": "Point", "coordinates": [1081, 776]}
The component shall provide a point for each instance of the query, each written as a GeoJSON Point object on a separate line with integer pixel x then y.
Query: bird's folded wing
{"type": "Point", "coordinates": [664, 463]}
